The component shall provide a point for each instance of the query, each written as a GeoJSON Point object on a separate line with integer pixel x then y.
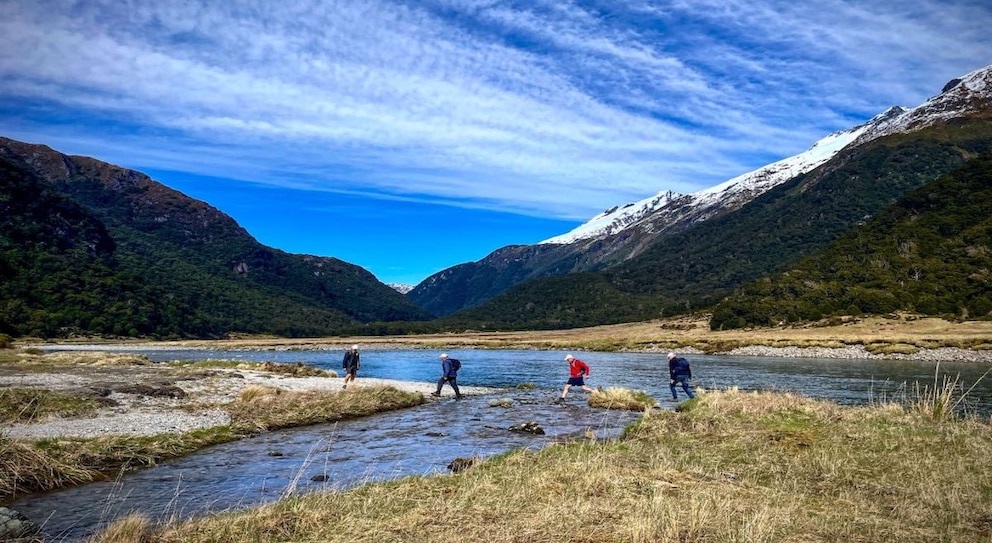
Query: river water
{"type": "Point", "coordinates": [423, 440]}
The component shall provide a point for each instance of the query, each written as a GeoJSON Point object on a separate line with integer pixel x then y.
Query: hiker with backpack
{"type": "Point", "coordinates": [449, 374]}
{"type": "Point", "coordinates": [350, 365]}
{"type": "Point", "coordinates": [679, 373]}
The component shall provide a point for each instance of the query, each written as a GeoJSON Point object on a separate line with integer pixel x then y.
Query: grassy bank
{"type": "Point", "coordinates": [729, 467]}
{"type": "Point", "coordinates": [898, 334]}
{"type": "Point", "coordinates": [47, 464]}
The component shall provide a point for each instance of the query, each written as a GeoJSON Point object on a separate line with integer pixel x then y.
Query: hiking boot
{"type": "Point", "coordinates": [436, 394]}
{"type": "Point", "coordinates": [560, 401]}
{"type": "Point", "coordinates": [458, 397]}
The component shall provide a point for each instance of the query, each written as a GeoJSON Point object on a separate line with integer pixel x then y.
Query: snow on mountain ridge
{"type": "Point", "coordinates": [402, 288]}
{"type": "Point", "coordinates": [968, 93]}
{"type": "Point", "coordinates": [616, 219]}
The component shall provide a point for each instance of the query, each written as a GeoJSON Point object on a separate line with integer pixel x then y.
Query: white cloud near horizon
{"type": "Point", "coordinates": [545, 107]}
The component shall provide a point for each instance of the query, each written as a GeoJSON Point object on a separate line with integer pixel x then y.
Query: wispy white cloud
{"type": "Point", "coordinates": [540, 107]}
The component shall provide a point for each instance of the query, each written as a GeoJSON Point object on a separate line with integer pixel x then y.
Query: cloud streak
{"type": "Point", "coordinates": [532, 107]}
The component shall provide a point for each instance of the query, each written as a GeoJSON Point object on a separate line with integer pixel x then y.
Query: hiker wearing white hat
{"type": "Point", "coordinates": [577, 372]}
{"type": "Point", "coordinates": [350, 365]}
{"type": "Point", "coordinates": [449, 374]}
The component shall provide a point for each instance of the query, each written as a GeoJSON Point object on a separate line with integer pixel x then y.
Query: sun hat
{"type": "Point", "coordinates": [569, 357]}
{"type": "Point", "coordinates": [444, 355]}
{"type": "Point", "coordinates": [671, 356]}
{"type": "Point", "coordinates": [354, 347]}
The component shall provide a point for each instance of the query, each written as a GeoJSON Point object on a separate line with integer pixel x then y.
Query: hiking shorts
{"type": "Point", "coordinates": [576, 381]}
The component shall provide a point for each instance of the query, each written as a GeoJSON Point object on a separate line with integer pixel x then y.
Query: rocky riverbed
{"type": "Point", "coordinates": [148, 399]}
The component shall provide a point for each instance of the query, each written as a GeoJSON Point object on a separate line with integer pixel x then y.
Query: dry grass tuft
{"type": "Point", "coordinates": [254, 393]}
{"type": "Point", "coordinates": [25, 468]}
{"type": "Point", "coordinates": [271, 409]}
{"type": "Point", "coordinates": [891, 348]}
{"type": "Point", "coordinates": [622, 398]}
{"type": "Point", "coordinates": [98, 359]}
{"type": "Point", "coordinates": [29, 404]}
{"type": "Point", "coordinates": [943, 399]}
{"type": "Point", "coordinates": [133, 528]}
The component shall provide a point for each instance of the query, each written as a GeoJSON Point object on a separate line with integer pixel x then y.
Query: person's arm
{"type": "Point", "coordinates": [445, 367]}
{"type": "Point", "coordinates": [585, 368]}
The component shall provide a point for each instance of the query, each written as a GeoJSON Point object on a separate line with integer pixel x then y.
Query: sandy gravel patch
{"type": "Point", "coordinates": [202, 406]}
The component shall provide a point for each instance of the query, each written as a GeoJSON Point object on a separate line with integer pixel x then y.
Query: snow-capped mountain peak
{"type": "Point", "coordinates": [744, 186]}
{"type": "Point", "coordinates": [967, 94]}
{"type": "Point", "coordinates": [959, 97]}
{"type": "Point", "coordinates": [402, 288]}
{"type": "Point", "coordinates": [615, 219]}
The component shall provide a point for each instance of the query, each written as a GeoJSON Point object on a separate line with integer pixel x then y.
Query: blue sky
{"type": "Point", "coordinates": [407, 137]}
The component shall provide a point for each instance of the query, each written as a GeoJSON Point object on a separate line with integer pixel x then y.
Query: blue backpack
{"type": "Point", "coordinates": [455, 364]}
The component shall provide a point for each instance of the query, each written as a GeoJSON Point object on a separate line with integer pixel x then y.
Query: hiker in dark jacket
{"type": "Point", "coordinates": [449, 374]}
{"type": "Point", "coordinates": [679, 373]}
{"type": "Point", "coordinates": [350, 365]}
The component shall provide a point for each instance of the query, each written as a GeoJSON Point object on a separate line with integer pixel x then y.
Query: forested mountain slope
{"type": "Point", "coordinates": [697, 268]}
{"type": "Point", "coordinates": [621, 235]}
{"type": "Point", "coordinates": [931, 253]}
{"type": "Point", "coordinates": [91, 248]}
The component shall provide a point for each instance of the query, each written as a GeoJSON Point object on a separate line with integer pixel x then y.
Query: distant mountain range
{"type": "Point", "coordinates": [91, 248]}
{"type": "Point", "coordinates": [402, 288]}
{"type": "Point", "coordinates": [892, 214]}
{"type": "Point", "coordinates": [672, 253]}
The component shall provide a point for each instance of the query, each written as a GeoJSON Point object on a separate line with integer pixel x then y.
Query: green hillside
{"type": "Point", "coordinates": [931, 253]}
{"type": "Point", "coordinates": [697, 268]}
{"type": "Point", "coordinates": [89, 248]}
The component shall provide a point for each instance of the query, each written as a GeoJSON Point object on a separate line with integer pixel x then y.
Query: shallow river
{"type": "Point", "coordinates": [423, 440]}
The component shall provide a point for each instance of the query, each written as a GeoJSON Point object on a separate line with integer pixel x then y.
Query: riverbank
{"type": "Point", "coordinates": [727, 467]}
{"type": "Point", "coordinates": [175, 399]}
{"type": "Point", "coordinates": [74, 417]}
{"type": "Point", "coordinates": [896, 336]}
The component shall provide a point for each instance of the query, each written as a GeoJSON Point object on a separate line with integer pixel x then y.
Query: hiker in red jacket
{"type": "Point", "coordinates": [577, 372]}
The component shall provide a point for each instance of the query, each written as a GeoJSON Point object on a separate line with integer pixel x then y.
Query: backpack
{"type": "Point", "coordinates": [681, 366]}
{"type": "Point", "coordinates": [455, 364]}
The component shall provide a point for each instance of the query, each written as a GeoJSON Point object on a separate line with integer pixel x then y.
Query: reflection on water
{"type": "Point", "coordinates": [423, 440]}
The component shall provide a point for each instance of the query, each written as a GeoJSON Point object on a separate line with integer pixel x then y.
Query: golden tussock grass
{"type": "Point", "coordinates": [94, 359]}
{"type": "Point", "coordinates": [622, 398]}
{"type": "Point", "coordinates": [132, 527]}
{"type": "Point", "coordinates": [730, 467]}
{"type": "Point", "coordinates": [28, 404]}
{"type": "Point", "coordinates": [669, 334]}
